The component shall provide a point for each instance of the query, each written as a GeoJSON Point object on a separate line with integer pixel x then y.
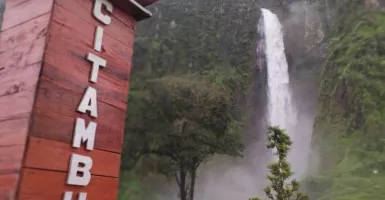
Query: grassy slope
{"type": "Point", "coordinates": [349, 129]}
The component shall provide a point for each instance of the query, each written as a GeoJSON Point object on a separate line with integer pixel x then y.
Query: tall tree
{"type": "Point", "coordinates": [184, 120]}
{"type": "Point", "coordinates": [280, 171]}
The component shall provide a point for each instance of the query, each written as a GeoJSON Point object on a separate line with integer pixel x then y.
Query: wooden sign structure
{"type": "Point", "coordinates": [64, 77]}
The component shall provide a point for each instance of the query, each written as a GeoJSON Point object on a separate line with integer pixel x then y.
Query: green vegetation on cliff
{"type": "Point", "coordinates": [196, 56]}
{"type": "Point", "coordinates": [192, 70]}
{"type": "Point", "coordinates": [349, 129]}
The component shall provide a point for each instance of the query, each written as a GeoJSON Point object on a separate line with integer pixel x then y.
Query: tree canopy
{"type": "Point", "coordinates": [184, 120]}
{"type": "Point", "coordinates": [280, 171]}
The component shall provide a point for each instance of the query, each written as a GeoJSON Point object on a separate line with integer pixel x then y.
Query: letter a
{"type": "Point", "coordinates": [89, 102]}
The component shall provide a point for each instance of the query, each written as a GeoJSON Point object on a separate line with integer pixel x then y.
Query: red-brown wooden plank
{"type": "Point", "coordinates": [54, 98]}
{"type": "Point", "coordinates": [8, 184]}
{"type": "Point", "coordinates": [17, 12]}
{"type": "Point", "coordinates": [13, 132]}
{"type": "Point", "coordinates": [122, 26]}
{"type": "Point", "coordinates": [19, 70]}
{"type": "Point", "coordinates": [70, 29]}
{"type": "Point", "coordinates": [54, 155]}
{"type": "Point", "coordinates": [18, 80]}
{"type": "Point", "coordinates": [22, 42]}
{"type": "Point", "coordinates": [55, 113]}
{"type": "Point", "coordinates": [18, 105]}
{"type": "Point", "coordinates": [36, 186]}
{"type": "Point", "coordinates": [66, 63]}
{"type": "Point", "coordinates": [71, 38]}
{"type": "Point", "coordinates": [21, 56]}
{"type": "Point", "coordinates": [11, 158]}
{"type": "Point", "coordinates": [24, 33]}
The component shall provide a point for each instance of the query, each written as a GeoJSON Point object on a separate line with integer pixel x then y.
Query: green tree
{"type": "Point", "coordinates": [280, 171]}
{"type": "Point", "coordinates": [183, 120]}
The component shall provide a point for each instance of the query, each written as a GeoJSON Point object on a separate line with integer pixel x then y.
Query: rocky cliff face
{"type": "Point", "coordinates": [348, 158]}
{"type": "Point", "coordinates": [344, 39]}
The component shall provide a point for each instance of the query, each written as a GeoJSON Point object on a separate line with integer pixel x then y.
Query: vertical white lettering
{"type": "Point", "coordinates": [98, 38]}
{"type": "Point", "coordinates": [89, 102]}
{"type": "Point", "coordinates": [79, 173]}
{"type": "Point", "coordinates": [96, 63]}
{"type": "Point", "coordinates": [84, 133]}
{"type": "Point", "coordinates": [81, 196]}
{"type": "Point", "coordinates": [98, 11]}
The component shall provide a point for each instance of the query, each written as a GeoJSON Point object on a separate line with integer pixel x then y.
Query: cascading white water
{"type": "Point", "coordinates": [232, 178]}
{"type": "Point", "coordinates": [281, 111]}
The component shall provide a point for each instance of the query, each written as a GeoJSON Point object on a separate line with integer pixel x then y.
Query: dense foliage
{"type": "Point", "coordinates": [184, 120]}
{"type": "Point", "coordinates": [192, 71]}
{"type": "Point", "coordinates": [188, 96]}
{"type": "Point", "coordinates": [187, 48]}
{"type": "Point", "coordinates": [280, 171]}
{"type": "Point", "coordinates": [348, 131]}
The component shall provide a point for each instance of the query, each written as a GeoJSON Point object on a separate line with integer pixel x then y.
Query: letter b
{"type": "Point", "coordinates": [68, 196]}
{"type": "Point", "coordinates": [79, 173]}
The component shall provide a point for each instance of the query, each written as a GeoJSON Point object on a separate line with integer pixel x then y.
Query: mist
{"type": "Point", "coordinates": [228, 178]}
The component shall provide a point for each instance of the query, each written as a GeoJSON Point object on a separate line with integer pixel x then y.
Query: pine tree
{"type": "Point", "coordinates": [280, 171]}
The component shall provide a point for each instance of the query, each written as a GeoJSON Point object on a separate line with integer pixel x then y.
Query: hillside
{"type": "Point", "coordinates": [348, 132]}
{"type": "Point", "coordinates": [198, 97]}
{"type": "Point", "coordinates": [197, 48]}
{"type": "Point", "coordinates": [188, 44]}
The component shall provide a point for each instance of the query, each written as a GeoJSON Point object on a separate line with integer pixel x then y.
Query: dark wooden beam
{"type": "Point", "coordinates": [135, 8]}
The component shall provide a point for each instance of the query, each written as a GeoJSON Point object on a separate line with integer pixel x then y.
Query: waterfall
{"type": "Point", "coordinates": [229, 178]}
{"type": "Point", "coordinates": [281, 111]}
{"type": "Point", "coordinates": [280, 108]}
